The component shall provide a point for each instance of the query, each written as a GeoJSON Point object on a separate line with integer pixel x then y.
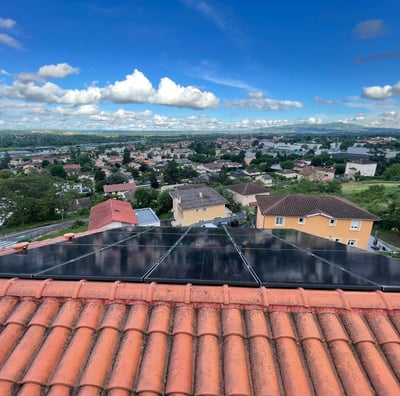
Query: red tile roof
{"type": "Point", "coordinates": [111, 211]}
{"type": "Point", "coordinates": [109, 188]}
{"type": "Point", "coordinates": [87, 338]}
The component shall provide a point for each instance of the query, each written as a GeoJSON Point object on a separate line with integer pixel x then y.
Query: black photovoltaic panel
{"type": "Point", "coordinates": [212, 266]}
{"type": "Point", "coordinates": [34, 260]}
{"type": "Point", "coordinates": [296, 268]}
{"type": "Point", "coordinates": [381, 269]}
{"type": "Point", "coordinates": [236, 256]}
{"type": "Point", "coordinates": [127, 262]}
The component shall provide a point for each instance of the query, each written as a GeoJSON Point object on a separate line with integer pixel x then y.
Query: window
{"type": "Point", "coordinates": [279, 221]}
{"type": "Point", "coordinates": [355, 225]}
{"type": "Point", "coordinates": [204, 209]}
{"type": "Point", "coordinates": [351, 242]}
{"type": "Point", "coordinates": [332, 222]}
{"type": "Point", "coordinates": [337, 239]}
{"type": "Point", "coordinates": [302, 220]}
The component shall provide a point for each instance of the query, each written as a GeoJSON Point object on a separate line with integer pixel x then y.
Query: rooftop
{"type": "Point", "coordinates": [303, 205]}
{"type": "Point", "coordinates": [247, 189]}
{"type": "Point", "coordinates": [199, 197]}
{"type": "Point", "coordinates": [105, 332]}
{"type": "Point", "coordinates": [109, 188]}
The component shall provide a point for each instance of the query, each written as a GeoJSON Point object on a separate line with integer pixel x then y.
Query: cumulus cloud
{"type": "Point", "coordinates": [259, 102]}
{"type": "Point", "coordinates": [171, 94]}
{"type": "Point", "coordinates": [370, 28]}
{"type": "Point", "coordinates": [60, 70]}
{"type": "Point", "coordinates": [4, 72]}
{"type": "Point", "coordinates": [136, 88]}
{"type": "Point", "coordinates": [7, 23]}
{"type": "Point", "coordinates": [318, 99]}
{"type": "Point", "coordinates": [10, 41]}
{"type": "Point", "coordinates": [81, 96]}
{"type": "Point", "coordinates": [381, 92]}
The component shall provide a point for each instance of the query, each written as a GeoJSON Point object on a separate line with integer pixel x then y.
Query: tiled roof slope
{"type": "Point", "coordinates": [92, 338]}
{"type": "Point", "coordinates": [304, 205]}
{"type": "Point", "coordinates": [198, 198]}
{"type": "Point", "coordinates": [108, 188]}
{"type": "Point", "coordinates": [247, 189]}
{"type": "Point", "coordinates": [109, 211]}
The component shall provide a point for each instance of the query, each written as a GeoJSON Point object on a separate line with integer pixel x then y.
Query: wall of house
{"type": "Point", "coordinates": [196, 215]}
{"type": "Point", "coordinates": [319, 226]}
{"type": "Point", "coordinates": [245, 200]}
{"type": "Point", "coordinates": [364, 169]}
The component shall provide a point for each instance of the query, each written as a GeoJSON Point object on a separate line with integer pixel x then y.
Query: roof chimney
{"type": "Point", "coordinates": [201, 194]}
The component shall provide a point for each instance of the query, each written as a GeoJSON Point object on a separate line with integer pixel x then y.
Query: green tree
{"type": "Point", "coordinates": [173, 173]}
{"type": "Point", "coordinates": [392, 172]}
{"type": "Point", "coordinates": [116, 178]}
{"type": "Point", "coordinates": [146, 198]}
{"type": "Point", "coordinates": [58, 171]}
{"type": "Point", "coordinates": [126, 157]}
{"type": "Point", "coordinates": [5, 160]}
{"type": "Point", "coordinates": [164, 202]}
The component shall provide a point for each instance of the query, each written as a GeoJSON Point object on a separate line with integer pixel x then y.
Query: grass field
{"type": "Point", "coordinates": [353, 187]}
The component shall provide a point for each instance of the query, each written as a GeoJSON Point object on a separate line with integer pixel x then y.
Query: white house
{"type": "Point", "coordinates": [364, 167]}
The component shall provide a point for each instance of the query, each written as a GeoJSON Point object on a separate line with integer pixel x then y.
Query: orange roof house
{"type": "Point", "coordinates": [86, 337]}
{"type": "Point", "coordinates": [111, 214]}
{"type": "Point", "coordinates": [327, 216]}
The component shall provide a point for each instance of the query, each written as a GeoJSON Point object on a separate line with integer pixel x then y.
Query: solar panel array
{"type": "Point", "coordinates": [208, 256]}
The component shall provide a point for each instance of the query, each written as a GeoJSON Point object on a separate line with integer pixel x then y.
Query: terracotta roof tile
{"type": "Point", "coordinates": [111, 211]}
{"type": "Point", "coordinates": [92, 338]}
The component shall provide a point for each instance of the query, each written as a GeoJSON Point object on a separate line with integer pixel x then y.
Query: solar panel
{"type": "Point", "coordinates": [212, 266]}
{"type": "Point", "coordinates": [215, 256]}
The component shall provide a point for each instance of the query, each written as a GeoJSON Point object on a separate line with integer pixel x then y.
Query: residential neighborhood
{"type": "Point", "coordinates": [218, 180]}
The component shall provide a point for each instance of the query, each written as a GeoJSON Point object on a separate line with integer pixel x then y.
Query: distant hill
{"type": "Point", "coordinates": [328, 128]}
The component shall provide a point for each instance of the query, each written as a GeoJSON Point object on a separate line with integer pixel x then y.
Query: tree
{"type": "Point", "coordinates": [5, 160]}
{"type": "Point", "coordinates": [164, 202]}
{"type": "Point", "coordinates": [58, 171]}
{"type": "Point", "coordinates": [126, 157]}
{"type": "Point", "coordinates": [287, 164]}
{"type": "Point", "coordinates": [392, 172]}
{"type": "Point", "coordinates": [116, 178]}
{"type": "Point", "coordinates": [146, 198]}
{"type": "Point", "coordinates": [172, 173]}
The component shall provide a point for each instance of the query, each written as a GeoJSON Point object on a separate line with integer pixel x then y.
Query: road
{"type": "Point", "coordinates": [12, 239]}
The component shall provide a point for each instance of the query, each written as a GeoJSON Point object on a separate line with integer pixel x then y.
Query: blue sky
{"type": "Point", "coordinates": [198, 64]}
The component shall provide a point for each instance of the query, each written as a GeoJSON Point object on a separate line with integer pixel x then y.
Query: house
{"type": "Point", "coordinates": [123, 190]}
{"type": "Point", "coordinates": [74, 169]}
{"type": "Point", "coordinates": [326, 216]}
{"type": "Point", "coordinates": [112, 214]}
{"type": "Point", "coordinates": [245, 193]}
{"type": "Point", "coordinates": [317, 174]}
{"type": "Point", "coordinates": [199, 204]}
{"type": "Point", "coordinates": [362, 167]}
{"type": "Point", "coordinates": [118, 337]}
{"type": "Point", "coordinates": [265, 179]}
{"type": "Point", "coordinates": [287, 173]}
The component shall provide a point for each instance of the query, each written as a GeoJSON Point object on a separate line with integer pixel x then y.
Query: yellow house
{"type": "Point", "coordinates": [197, 205]}
{"type": "Point", "coordinates": [324, 216]}
{"type": "Point", "coordinates": [245, 193]}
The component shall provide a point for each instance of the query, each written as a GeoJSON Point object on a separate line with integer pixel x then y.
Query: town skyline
{"type": "Point", "coordinates": [197, 65]}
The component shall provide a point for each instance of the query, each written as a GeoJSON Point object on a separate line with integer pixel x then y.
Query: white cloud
{"type": "Point", "coordinates": [136, 88]}
{"type": "Point", "coordinates": [380, 93]}
{"type": "Point", "coordinates": [370, 28]}
{"type": "Point", "coordinates": [259, 102]}
{"type": "Point", "coordinates": [7, 23]}
{"type": "Point", "coordinates": [81, 96]}
{"type": "Point", "coordinates": [318, 99]}
{"type": "Point", "coordinates": [171, 94]}
{"type": "Point", "coordinates": [10, 41]}
{"type": "Point", "coordinates": [60, 70]}
{"type": "Point", "coordinates": [47, 93]}
{"type": "Point", "coordinates": [310, 120]}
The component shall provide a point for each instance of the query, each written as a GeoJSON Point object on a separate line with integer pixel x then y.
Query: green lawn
{"type": "Point", "coordinates": [354, 187]}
